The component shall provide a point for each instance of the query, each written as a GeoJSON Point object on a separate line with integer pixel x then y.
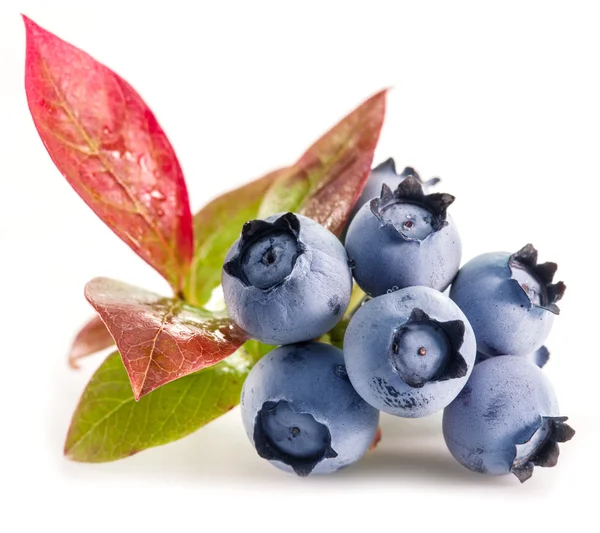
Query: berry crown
{"type": "Point", "coordinates": [410, 191]}
{"type": "Point", "coordinates": [527, 257]}
{"type": "Point", "coordinates": [547, 454]}
{"type": "Point", "coordinates": [256, 229]}
{"type": "Point", "coordinates": [455, 332]}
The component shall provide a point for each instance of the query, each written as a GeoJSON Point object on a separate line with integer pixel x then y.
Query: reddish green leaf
{"type": "Point", "coordinates": [109, 146]}
{"type": "Point", "coordinates": [160, 339]}
{"type": "Point", "coordinates": [92, 338]}
{"type": "Point", "coordinates": [376, 439]}
{"type": "Point", "coordinates": [216, 227]}
{"type": "Point", "coordinates": [327, 180]}
{"type": "Point", "coordinates": [108, 424]}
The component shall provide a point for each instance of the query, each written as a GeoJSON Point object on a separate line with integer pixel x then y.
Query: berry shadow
{"type": "Point", "coordinates": [413, 451]}
{"type": "Point", "coordinates": [412, 454]}
{"type": "Point", "coordinates": [416, 466]}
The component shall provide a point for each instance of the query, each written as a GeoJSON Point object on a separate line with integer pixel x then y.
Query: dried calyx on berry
{"type": "Point", "coordinates": [414, 214]}
{"type": "Point", "coordinates": [267, 252]}
{"type": "Point", "coordinates": [541, 447]}
{"type": "Point", "coordinates": [425, 350]}
{"type": "Point", "coordinates": [536, 279]}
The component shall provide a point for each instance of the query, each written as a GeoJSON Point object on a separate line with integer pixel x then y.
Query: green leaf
{"type": "Point", "coordinates": [108, 423]}
{"type": "Point", "coordinates": [326, 181]}
{"type": "Point", "coordinates": [336, 335]}
{"type": "Point", "coordinates": [216, 227]}
{"type": "Point", "coordinates": [356, 300]}
{"type": "Point", "coordinates": [257, 350]}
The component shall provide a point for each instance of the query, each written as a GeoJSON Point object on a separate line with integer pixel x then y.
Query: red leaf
{"type": "Point", "coordinates": [327, 180]}
{"type": "Point", "coordinates": [331, 203]}
{"type": "Point", "coordinates": [107, 143]}
{"type": "Point", "coordinates": [92, 338]}
{"type": "Point", "coordinates": [160, 339]}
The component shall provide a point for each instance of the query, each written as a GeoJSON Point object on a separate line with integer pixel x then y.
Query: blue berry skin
{"type": "Point", "coordinates": [403, 239]}
{"type": "Point", "coordinates": [410, 352]}
{"type": "Point", "coordinates": [509, 300]}
{"type": "Point", "coordinates": [301, 412]}
{"type": "Point", "coordinates": [286, 279]}
{"type": "Point", "coordinates": [506, 419]}
{"type": "Point", "coordinates": [386, 173]}
{"type": "Point", "coordinates": [540, 357]}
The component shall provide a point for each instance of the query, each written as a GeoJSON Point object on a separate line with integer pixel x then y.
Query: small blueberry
{"type": "Point", "coordinates": [506, 419]}
{"type": "Point", "coordinates": [509, 299]}
{"type": "Point", "coordinates": [402, 239]}
{"type": "Point", "coordinates": [301, 413]}
{"type": "Point", "coordinates": [410, 352]}
{"type": "Point", "coordinates": [286, 279]}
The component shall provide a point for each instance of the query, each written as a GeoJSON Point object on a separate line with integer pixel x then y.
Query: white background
{"type": "Point", "coordinates": [499, 99]}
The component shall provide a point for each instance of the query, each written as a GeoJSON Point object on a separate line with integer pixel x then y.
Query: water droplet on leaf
{"type": "Point", "coordinates": [144, 163]}
{"type": "Point", "coordinates": [157, 195]}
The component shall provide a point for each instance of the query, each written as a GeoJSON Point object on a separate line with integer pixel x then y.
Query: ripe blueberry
{"type": "Point", "coordinates": [540, 357]}
{"type": "Point", "coordinates": [409, 353]}
{"type": "Point", "coordinates": [301, 412]}
{"type": "Point", "coordinates": [402, 239]}
{"type": "Point", "coordinates": [506, 419]}
{"type": "Point", "coordinates": [286, 279]}
{"type": "Point", "coordinates": [510, 300]}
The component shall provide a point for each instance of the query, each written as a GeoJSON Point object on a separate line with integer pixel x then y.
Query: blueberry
{"type": "Point", "coordinates": [506, 419]}
{"type": "Point", "coordinates": [402, 239]}
{"type": "Point", "coordinates": [286, 279]}
{"type": "Point", "coordinates": [540, 357]}
{"type": "Point", "coordinates": [386, 173]}
{"type": "Point", "coordinates": [410, 352]}
{"type": "Point", "coordinates": [510, 300]}
{"type": "Point", "coordinates": [301, 412]}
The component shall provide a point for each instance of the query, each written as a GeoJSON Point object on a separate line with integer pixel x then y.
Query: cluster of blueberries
{"type": "Point", "coordinates": [409, 348]}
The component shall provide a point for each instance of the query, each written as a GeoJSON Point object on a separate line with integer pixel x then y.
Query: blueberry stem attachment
{"type": "Point", "coordinates": [286, 230]}
{"type": "Point", "coordinates": [446, 339]}
{"type": "Point", "coordinates": [268, 448]}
